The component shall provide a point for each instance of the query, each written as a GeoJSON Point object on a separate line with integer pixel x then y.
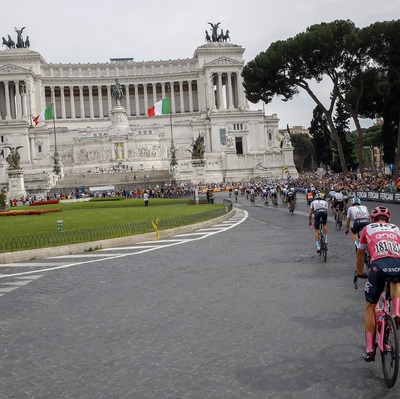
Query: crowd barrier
{"type": "Point", "coordinates": [384, 196]}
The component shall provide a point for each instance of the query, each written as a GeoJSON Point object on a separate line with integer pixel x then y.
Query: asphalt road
{"type": "Point", "coordinates": [246, 309]}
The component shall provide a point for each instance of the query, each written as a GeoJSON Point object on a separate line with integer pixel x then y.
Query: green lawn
{"type": "Point", "coordinates": [92, 214]}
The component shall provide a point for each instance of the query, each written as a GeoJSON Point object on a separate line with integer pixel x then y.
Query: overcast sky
{"type": "Point", "coordinates": [96, 30]}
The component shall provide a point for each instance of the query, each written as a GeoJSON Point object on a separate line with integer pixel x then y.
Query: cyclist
{"type": "Point", "coordinates": [331, 194]}
{"type": "Point", "coordinates": [359, 214]}
{"type": "Point", "coordinates": [309, 197]}
{"type": "Point", "coordinates": [265, 195]}
{"type": "Point", "coordinates": [274, 195]}
{"type": "Point", "coordinates": [319, 207]}
{"type": "Point", "coordinates": [382, 239]}
{"type": "Point", "coordinates": [346, 200]}
{"type": "Point", "coordinates": [236, 192]}
{"type": "Point", "coordinates": [338, 202]}
{"type": "Point", "coordinates": [291, 198]}
{"type": "Point", "coordinates": [284, 194]}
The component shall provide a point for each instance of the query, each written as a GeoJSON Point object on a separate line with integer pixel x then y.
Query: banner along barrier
{"type": "Point", "coordinates": [384, 196]}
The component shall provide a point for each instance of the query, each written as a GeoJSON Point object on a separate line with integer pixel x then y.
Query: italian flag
{"type": "Point", "coordinates": [159, 108]}
{"type": "Point", "coordinates": [45, 115]}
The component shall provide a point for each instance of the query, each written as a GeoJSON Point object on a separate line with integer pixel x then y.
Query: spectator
{"type": "Point", "coordinates": [146, 198]}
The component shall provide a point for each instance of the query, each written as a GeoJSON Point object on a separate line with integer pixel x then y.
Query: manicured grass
{"type": "Point", "coordinates": [92, 214]}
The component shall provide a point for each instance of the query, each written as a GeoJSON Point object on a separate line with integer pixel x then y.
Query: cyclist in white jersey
{"type": "Point", "coordinates": [359, 215]}
{"type": "Point", "coordinates": [331, 194]}
{"type": "Point", "coordinates": [319, 207]}
{"type": "Point", "coordinates": [338, 201]}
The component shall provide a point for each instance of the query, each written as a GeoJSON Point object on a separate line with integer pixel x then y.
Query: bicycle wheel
{"type": "Point", "coordinates": [367, 266]}
{"type": "Point", "coordinates": [324, 250]}
{"type": "Point", "coordinates": [390, 354]}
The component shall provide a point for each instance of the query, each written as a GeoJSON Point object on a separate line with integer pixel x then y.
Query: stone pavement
{"type": "Point", "coordinates": [251, 312]}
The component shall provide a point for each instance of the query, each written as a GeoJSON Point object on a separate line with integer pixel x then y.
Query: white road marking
{"type": "Point", "coordinates": [143, 249]}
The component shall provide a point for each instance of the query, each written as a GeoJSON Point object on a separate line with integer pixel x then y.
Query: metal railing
{"type": "Point", "coordinates": [66, 237]}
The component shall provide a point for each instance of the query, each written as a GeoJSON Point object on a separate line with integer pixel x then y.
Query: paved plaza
{"type": "Point", "coordinates": [243, 310]}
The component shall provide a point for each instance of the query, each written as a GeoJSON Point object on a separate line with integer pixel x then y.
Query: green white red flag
{"type": "Point", "coordinates": [45, 115]}
{"type": "Point", "coordinates": [161, 107]}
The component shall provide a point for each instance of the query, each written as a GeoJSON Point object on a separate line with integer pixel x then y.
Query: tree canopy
{"type": "Point", "coordinates": [349, 57]}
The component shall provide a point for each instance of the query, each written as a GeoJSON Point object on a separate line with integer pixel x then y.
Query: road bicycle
{"type": "Point", "coordinates": [292, 207]}
{"type": "Point", "coordinates": [338, 220]}
{"type": "Point", "coordinates": [322, 242]}
{"type": "Point", "coordinates": [252, 198]}
{"type": "Point", "coordinates": [386, 336]}
{"type": "Point", "coordinates": [366, 264]}
{"type": "Point", "coordinates": [274, 201]}
{"type": "Point", "coordinates": [323, 245]}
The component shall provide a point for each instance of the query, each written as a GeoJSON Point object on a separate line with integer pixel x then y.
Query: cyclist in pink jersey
{"type": "Point", "coordinates": [382, 239]}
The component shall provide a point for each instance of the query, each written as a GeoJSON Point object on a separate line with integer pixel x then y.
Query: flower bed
{"type": "Point", "coordinates": [28, 212]}
{"type": "Point", "coordinates": [46, 202]}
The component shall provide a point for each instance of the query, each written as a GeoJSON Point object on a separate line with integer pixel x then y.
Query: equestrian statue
{"type": "Point", "coordinates": [117, 92]}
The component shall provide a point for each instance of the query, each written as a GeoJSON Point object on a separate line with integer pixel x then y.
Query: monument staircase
{"type": "Point", "coordinates": [122, 179]}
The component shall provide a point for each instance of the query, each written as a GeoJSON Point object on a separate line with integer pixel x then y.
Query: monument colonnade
{"type": "Point", "coordinates": [93, 99]}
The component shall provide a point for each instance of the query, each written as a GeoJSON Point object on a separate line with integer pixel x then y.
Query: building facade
{"type": "Point", "coordinates": [94, 134]}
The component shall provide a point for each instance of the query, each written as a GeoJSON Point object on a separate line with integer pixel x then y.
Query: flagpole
{"type": "Point", "coordinates": [174, 163]}
{"type": "Point", "coordinates": [56, 158]}
{"type": "Point", "coordinates": [54, 128]}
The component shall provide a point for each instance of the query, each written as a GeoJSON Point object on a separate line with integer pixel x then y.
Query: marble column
{"type": "Point", "coordinates": [100, 99]}
{"type": "Point", "coordinates": [81, 103]}
{"type": "Point", "coordinates": [91, 108]}
{"type": "Point", "coordinates": [18, 110]}
{"type": "Point", "coordinates": [173, 109]}
{"type": "Point", "coordinates": [210, 90]}
{"type": "Point", "coordinates": [240, 93]}
{"type": "Point", "coordinates": [109, 100]}
{"type": "Point", "coordinates": [220, 94]}
{"type": "Point", "coordinates": [53, 101]}
{"type": "Point", "coordinates": [230, 92]}
{"type": "Point", "coordinates": [63, 111]}
{"type": "Point", "coordinates": [181, 97]}
{"type": "Point", "coordinates": [163, 90]}
{"type": "Point", "coordinates": [72, 100]}
{"type": "Point", "coordinates": [24, 105]}
{"type": "Point", "coordinates": [32, 146]}
{"type": "Point", "coordinates": [146, 100]}
{"type": "Point", "coordinates": [190, 96]}
{"type": "Point", "coordinates": [154, 93]}
{"type": "Point", "coordinates": [137, 107]}
{"type": "Point", "coordinates": [7, 93]}
{"type": "Point", "coordinates": [128, 100]}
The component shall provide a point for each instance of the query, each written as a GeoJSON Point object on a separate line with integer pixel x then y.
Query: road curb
{"type": "Point", "coordinates": [20, 256]}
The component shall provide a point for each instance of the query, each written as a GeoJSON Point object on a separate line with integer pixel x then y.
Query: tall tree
{"type": "Point", "coordinates": [341, 119]}
{"type": "Point", "coordinates": [303, 148]}
{"type": "Point", "coordinates": [384, 48]}
{"type": "Point", "coordinates": [321, 138]}
{"type": "Point", "coordinates": [285, 67]}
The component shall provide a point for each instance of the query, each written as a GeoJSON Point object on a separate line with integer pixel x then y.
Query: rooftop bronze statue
{"type": "Point", "coordinates": [8, 43]}
{"type": "Point", "coordinates": [20, 39]}
{"type": "Point", "coordinates": [214, 34]}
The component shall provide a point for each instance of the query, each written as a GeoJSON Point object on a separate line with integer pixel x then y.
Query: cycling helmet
{"type": "Point", "coordinates": [356, 201]}
{"type": "Point", "coordinates": [319, 196]}
{"type": "Point", "coordinates": [380, 211]}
